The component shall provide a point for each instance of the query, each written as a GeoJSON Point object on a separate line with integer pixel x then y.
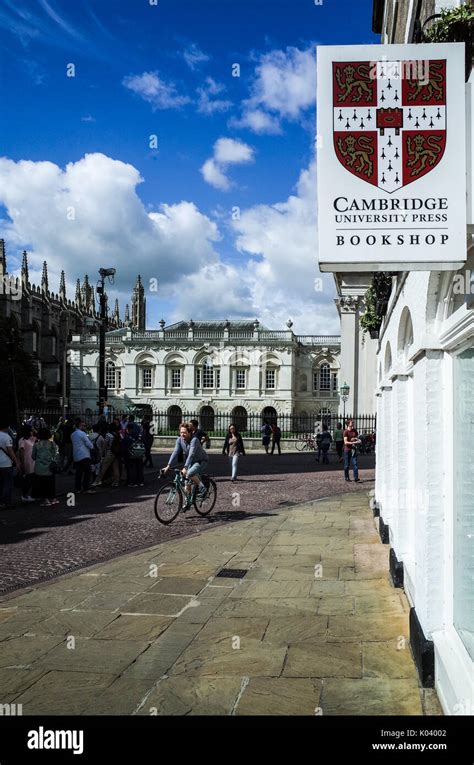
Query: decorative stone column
{"type": "Point", "coordinates": [350, 349]}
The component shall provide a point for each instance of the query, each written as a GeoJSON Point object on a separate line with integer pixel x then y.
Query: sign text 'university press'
{"type": "Point", "coordinates": [391, 157]}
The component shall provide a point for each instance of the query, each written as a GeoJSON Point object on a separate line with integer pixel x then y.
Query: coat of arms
{"type": "Point", "coordinates": [389, 119]}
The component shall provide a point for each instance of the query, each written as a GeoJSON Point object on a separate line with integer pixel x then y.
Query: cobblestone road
{"type": "Point", "coordinates": [38, 543]}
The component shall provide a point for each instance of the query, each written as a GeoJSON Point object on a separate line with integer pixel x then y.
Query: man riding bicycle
{"type": "Point", "coordinates": [196, 460]}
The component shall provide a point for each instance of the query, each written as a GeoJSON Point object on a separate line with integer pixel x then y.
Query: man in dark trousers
{"type": "Point", "coordinates": [276, 438]}
{"type": "Point", "coordinates": [351, 441]}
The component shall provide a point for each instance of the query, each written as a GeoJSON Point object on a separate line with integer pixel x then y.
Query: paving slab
{"type": "Point", "coordinates": [157, 633]}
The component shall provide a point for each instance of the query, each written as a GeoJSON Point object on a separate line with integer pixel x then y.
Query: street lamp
{"type": "Point", "coordinates": [344, 393]}
{"type": "Point", "coordinates": [104, 273]}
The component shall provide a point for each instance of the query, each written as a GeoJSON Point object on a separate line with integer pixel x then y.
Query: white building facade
{"type": "Point", "coordinates": [425, 413]}
{"type": "Point", "coordinates": [233, 368]}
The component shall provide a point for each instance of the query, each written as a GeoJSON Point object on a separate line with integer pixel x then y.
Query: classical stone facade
{"type": "Point", "coordinates": [223, 366]}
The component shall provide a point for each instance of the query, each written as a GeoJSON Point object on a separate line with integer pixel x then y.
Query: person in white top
{"type": "Point", "coordinates": [8, 459]}
{"type": "Point", "coordinates": [81, 454]}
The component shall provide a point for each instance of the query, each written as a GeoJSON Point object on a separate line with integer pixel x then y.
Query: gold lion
{"type": "Point", "coordinates": [419, 154]}
{"type": "Point", "coordinates": [432, 87]}
{"type": "Point", "coordinates": [352, 87]}
{"type": "Point", "coordinates": [352, 155]}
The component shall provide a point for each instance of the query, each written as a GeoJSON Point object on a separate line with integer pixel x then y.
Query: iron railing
{"type": "Point", "coordinates": [166, 423]}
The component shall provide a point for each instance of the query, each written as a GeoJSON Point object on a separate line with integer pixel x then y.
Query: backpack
{"type": "Point", "coordinates": [95, 454]}
{"type": "Point", "coordinates": [137, 451]}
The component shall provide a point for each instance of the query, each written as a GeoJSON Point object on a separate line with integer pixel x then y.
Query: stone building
{"type": "Point", "coordinates": [425, 413]}
{"type": "Point", "coordinates": [236, 368]}
{"type": "Point", "coordinates": [46, 319]}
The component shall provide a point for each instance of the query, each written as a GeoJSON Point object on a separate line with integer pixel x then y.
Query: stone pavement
{"type": "Point", "coordinates": [314, 627]}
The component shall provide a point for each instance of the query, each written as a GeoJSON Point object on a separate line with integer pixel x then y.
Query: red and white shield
{"type": "Point", "coordinates": [389, 119]}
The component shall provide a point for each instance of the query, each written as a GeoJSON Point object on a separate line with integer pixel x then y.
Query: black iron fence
{"type": "Point", "coordinates": [166, 423]}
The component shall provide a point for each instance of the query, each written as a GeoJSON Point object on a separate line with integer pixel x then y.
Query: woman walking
{"type": "Point", "coordinates": [339, 440]}
{"type": "Point", "coordinates": [45, 453]}
{"type": "Point", "coordinates": [234, 448]}
{"type": "Point", "coordinates": [25, 450]}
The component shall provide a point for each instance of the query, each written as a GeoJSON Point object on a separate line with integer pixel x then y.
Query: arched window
{"type": "Point", "coordinates": [175, 417]}
{"type": "Point", "coordinates": [405, 333]}
{"type": "Point", "coordinates": [206, 417]}
{"type": "Point", "coordinates": [325, 377]}
{"type": "Point", "coordinates": [269, 415]}
{"type": "Point", "coordinates": [239, 418]}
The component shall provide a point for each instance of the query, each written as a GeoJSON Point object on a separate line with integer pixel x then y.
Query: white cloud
{"type": "Point", "coordinates": [208, 105]}
{"type": "Point", "coordinates": [214, 176]}
{"type": "Point", "coordinates": [284, 88]}
{"type": "Point", "coordinates": [152, 88]}
{"type": "Point", "coordinates": [111, 225]}
{"type": "Point", "coordinates": [256, 120]}
{"type": "Point", "coordinates": [195, 56]}
{"type": "Point", "coordinates": [282, 240]}
{"type": "Point", "coordinates": [227, 151]}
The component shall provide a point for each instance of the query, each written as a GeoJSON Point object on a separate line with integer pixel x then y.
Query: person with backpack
{"type": "Point", "coordinates": [133, 453]}
{"type": "Point", "coordinates": [45, 454]}
{"type": "Point", "coordinates": [234, 448]}
{"type": "Point", "coordinates": [81, 454]}
{"type": "Point", "coordinates": [325, 443]}
{"type": "Point", "coordinates": [266, 432]}
{"type": "Point", "coordinates": [276, 438]}
{"type": "Point", "coordinates": [111, 461]}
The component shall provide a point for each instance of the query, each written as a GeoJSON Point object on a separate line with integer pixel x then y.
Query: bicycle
{"type": "Point", "coordinates": [306, 443]}
{"type": "Point", "coordinates": [172, 496]}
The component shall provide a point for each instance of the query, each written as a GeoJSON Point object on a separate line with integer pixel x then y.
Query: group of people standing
{"type": "Point", "coordinates": [40, 454]}
{"type": "Point", "coordinates": [346, 442]}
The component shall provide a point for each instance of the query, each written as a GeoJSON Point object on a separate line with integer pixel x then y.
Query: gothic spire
{"type": "Point", "coordinates": [116, 313]}
{"type": "Point", "coordinates": [62, 286]}
{"type": "Point", "coordinates": [138, 305]}
{"type": "Point", "coordinates": [44, 277]}
{"type": "Point", "coordinates": [3, 258]}
{"type": "Point", "coordinates": [127, 315]}
{"type": "Point", "coordinates": [25, 276]}
{"type": "Point", "coordinates": [78, 294]}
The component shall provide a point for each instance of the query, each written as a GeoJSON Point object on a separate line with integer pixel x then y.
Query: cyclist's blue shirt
{"type": "Point", "coordinates": [193, 452]}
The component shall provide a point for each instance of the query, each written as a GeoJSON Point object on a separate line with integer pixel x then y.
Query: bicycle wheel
{"type": "Point", "coordinates": [301, 445]}
{"type": "Point", "coordinates": [204, 506]}
{"type": "Point", "coordinates": [168, 503]}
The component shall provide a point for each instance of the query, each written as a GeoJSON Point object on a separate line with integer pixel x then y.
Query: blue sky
{"type": "Point", "coordinates": [223, 212]}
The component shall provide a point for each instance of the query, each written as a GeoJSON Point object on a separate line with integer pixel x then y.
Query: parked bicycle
{"type": "Point", "coordinates": [172, 497]}
{"type": "Point", "coordinates": [307, 442]}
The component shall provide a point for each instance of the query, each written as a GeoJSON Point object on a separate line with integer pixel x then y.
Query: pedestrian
{"type": "Point", "coordinates": [66, 428]}
{"type": "Point", "coordinates": [266, 432]}
{"type": "Point", "coordinates": [148, 438]}
{"type": "Point", "coordinates": [81, 454]}
{"type": "Point", "coordinates": [25, 454]}
{"type": "Point", "coordinates": [339, 440]}
{"type": "Point", "coordinates": [136, 429]}
{"type": "Point", "coordinates": [98, 452]}
{"type": "Point", "coordinates": [317, 438]}
{"type": "Point", "coordinates": [325, 443]}
{"type": "Point", "coordinates": [8, 459]}
{"type": "Point", "coordinates": [276, 438]}
{"type": "Point", "coordinates": [111, 460]}
{"type": "Point", "coordinates": [198, 432]}
{"type": "Point", "coordinates": [351, 441]}
{"type": "Point", "coordinates": [234, 448]}
{"type": "Point", "coordinates": [133, 453]}
{"type": "Point", "coordinates": [45, 454]}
